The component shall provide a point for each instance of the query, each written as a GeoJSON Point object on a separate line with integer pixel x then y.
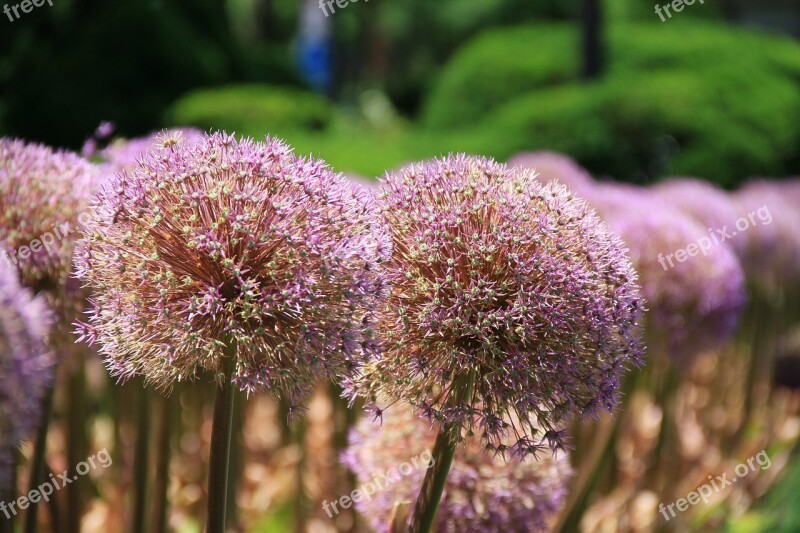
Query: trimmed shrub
{"type": "Point", "coordinates": [251, 109]}
{"type": "Point", "coordinates": [694, 98]}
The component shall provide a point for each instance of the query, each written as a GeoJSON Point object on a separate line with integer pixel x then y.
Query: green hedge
{"type": "Point", "coordinates": [251, 109]}
{"type": "Point", "coordinates": [693, 98]}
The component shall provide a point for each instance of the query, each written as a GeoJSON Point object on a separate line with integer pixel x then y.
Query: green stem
{"type": "Point", "coordinates": [161, 475]}
{"type": "Point", "coordinates": [141, 462]}
{"type": "Point", "coordinates": [219, 460]}
{"type": "Point", "coordinates": [38, 461]}
{"type": "Point", "coordinates": [444, 450]}
{"type": "Point", "coordinates": [76, 440]}
{"type": "Point", "coordinates": [432, 487]}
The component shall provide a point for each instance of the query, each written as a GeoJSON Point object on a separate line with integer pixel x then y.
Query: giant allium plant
{"type": "Point", "coordinates": [44, 196]}
{"type": "Point", "coordinates": [228, 242]}
{"type": "Point", "coordinates": [552, 166]}
{"type": "Point", "coordinates": [704, 202]}
{"type": "Point", "coordinates": [694, 304]}
{"type": "Point", "coordinates": [771, 253]}
{"type": "Point", "coordinates": [510, 300]}
{"type": "Point", "coordinates": [483, 493]}
{"type": "Point", "coordinates": [124, 154]}
{"type": "Point", "coordinates": [26, 366]}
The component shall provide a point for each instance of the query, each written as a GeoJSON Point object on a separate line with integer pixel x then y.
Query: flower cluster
{"type": "Point", "coordinates": [42, 194]}
{"type": "Point", "coordinates": [222, 243]}
{"type": "Point", "coordinates": [551, 166]}
{"type": "Point", "coordinates": [509, 300]}
{"type": "Point", "coordinates": [26, 365]}
{"type": "Point", "coordinates": [124, 154]}
{"type": "Point", "coordinates": [483, 493]}
{"type": "Point", "coordinates": [704, 202]}
{"type": "Point", "coordinates": [692, 305]}
{"type": "Point", "coordinates": [771, 252]}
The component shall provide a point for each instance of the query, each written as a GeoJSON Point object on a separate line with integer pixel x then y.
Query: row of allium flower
{"type": "Point", "coordinates": [487, 312]}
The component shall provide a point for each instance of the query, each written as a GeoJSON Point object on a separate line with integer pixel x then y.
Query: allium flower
{"type": "Point", "coordinates": [704, 202]}
{"type": "Point", "coordinates": [124, 154]}
{"type": "Point", "coordinates": [694, 304]}
{"type": "Point", "coordinates": [483, 493]}
{"type": "Point", "coordinates": [509, 300]}
{"type": "Point", "coordinates": [26, 366]}
{"type": "Point", "coordinates": [771, 256]}
{"type": "Point", "coordinates": [226, 242]}
{"type": "Point", "coordinates": [43, 193]}
{"type": "Point", "coordinates": [554, 166]}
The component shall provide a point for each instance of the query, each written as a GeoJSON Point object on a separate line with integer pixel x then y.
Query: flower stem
{"type": "Point", "coordinates": [432, 487]}
{"type": "Point", "coordinates": [443, 452]}
{"type": "Point", "coordinates": [37, 461]}
{"type": "Point", "coordinates": [220, 447]}
{"type": "Point", "coordinates": [77, 412]}
{"type": "Point", "coordinates": [163, 454]}
{"type": "Point", "coordinates": [141, 461]}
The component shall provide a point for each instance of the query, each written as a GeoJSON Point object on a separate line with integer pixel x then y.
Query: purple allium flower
{"type": "Point", "coordinates": [483, 493]}
{"type": "Point", "coordinates": [554, 166]}
{"type": "Point", "coordinates": [231, 241]}
{"type": "Point", "coordinates": [704, 202]}
{"type": "Point", "coordinates": [694, 304]}
{"type": "Point", "coordinates": [770, 226]}
{"type": "Point", "coordinates": [505, 290]}
{"type": "Point", "coordinates": [43, 195]}
{"type": "Point", "coordinates": [124, 154]}
{"type": "Point", "coordinates": [26, 365]}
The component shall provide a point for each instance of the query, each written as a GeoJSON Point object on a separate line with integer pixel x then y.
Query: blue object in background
{"type": "Point", "coordinates": [315, 48]}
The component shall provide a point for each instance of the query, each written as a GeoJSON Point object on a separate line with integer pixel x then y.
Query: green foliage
{"type": "Point", "coordinates": [243, 108]}
{"type": "Point", "coordinates": [691, 98]}
{"type": "Point", "coordinates": [498, 65]}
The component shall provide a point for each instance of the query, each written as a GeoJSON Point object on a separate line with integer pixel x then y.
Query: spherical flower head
{"type": "Point", "coordinates": [769, 224]}
{"type": "Point", "coordinates": [509, 300]}
{"type": "Point", "coordinates": [44, 194]}
{"type": "Point", "coordinates": [694, 297]}
{"type": "Point", "coordinates": [552, 166]}
{"type": "Point", "coordinates": [704, 202]}
{"type": "Point", "coordinates": [483, 493]}
{"type": "Point", "coordinates": [26, 365]}
{"type": "Point", "coordinates": [231, 243]}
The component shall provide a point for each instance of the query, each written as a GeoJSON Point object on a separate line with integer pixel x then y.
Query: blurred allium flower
{"type": "Point", "coordinates": [554, 166]}
{"type": "Point", "coordinates": [791, 188]}
{"type": "Point", "coordinates": [503, 289]}
{"type": "Point", "coordinates": [704, 202]}
{"type": "Point", "coordinates": [26, 366]}
{"type": "Point", "coordinates": [224, 241]}
{"type": "Point", "coordinates": [43, 195]}
{"type": "Point", "coordinates": [771, 256]}
{"type": "Point", "coordinates": [693, 305]}
{"type": "Point", "coordinates": [483, 493]}
{"type": "Point", "coordinates": [124, 154]}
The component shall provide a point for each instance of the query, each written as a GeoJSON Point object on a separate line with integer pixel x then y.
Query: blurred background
{"type": "Point", "coordinates": [712, 91]}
